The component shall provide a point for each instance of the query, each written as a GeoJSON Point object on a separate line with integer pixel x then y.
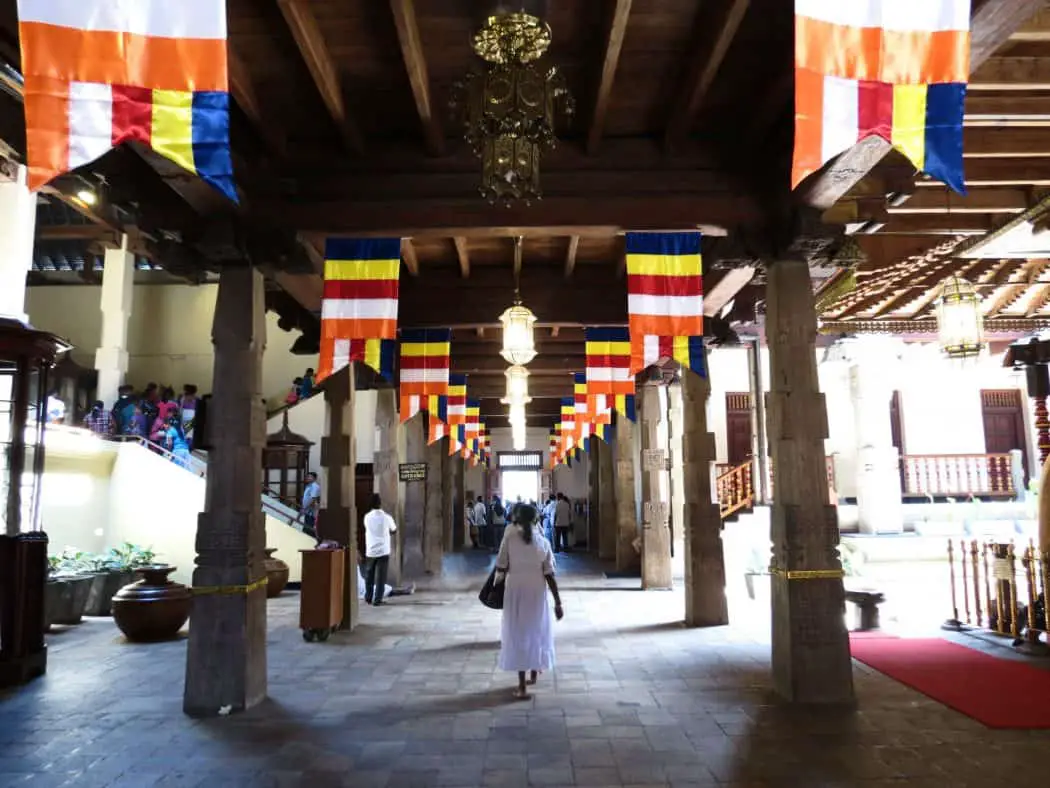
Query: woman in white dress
{"type": "Point", "coordinates": [526, 564]}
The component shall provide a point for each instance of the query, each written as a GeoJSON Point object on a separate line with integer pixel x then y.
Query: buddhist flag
{"type": "Point", "coordinates": [424, 367]}
{"type": "Point", "coordinates": [359, 307]}
{"type": "Point", "coordinates": [610, 384]}
{"type": "Point", "coordinates": [457, 438]}
{"type": "Point", "coordinates": [665, 299]}
{"type": "Point", "coordinates": [437, 418]}
{"type": "Point", "coordinates": [884, 68]}
{"type": "Point", "coordinates": [568, 423]}
{"type": "Point", "coordinates": [583, 416]}
{"type": "Point", "coordinates": [99, 73]}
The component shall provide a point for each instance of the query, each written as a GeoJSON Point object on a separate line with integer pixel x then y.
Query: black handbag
{"type": "Point", "coordinates": [491, 595]}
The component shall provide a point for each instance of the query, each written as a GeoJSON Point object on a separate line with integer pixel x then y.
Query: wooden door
{"type": "Point", "coordinates": [1003, 413]}
{"type": "Point", "coordinates": [897, 433]}
{"type": "Point", "coordinates": [364, 487]}
{"type": "Point", "coordinates": [738, 427]}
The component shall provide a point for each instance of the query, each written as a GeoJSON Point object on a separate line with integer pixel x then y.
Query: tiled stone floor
{"type": "Point", "coordinates": [412, 698]}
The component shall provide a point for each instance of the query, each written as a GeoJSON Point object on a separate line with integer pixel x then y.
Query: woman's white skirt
{"type": "Point", "coordinates": [527, 636]}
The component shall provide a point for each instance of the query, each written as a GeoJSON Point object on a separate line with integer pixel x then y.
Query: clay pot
{"type": "Point", "coordinates": [104, 588]}
{"type": "Point", "coordinates": [276, 574]}
{"type": "Point", "coordinates": [154, 608]}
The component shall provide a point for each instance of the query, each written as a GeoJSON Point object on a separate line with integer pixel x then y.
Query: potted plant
{"type": "Point", "coordinates": [117, 568]}
{"type": "Point", "coordinates": [69, 583]}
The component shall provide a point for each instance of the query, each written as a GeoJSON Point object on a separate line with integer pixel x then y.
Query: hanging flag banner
{"type": "Point", "coordinates": [610, 384]}
{"type": "Point", "coordinates": [359, 307]}
{"type": "Point", "coordinates": [473, 431]}
{"type": "Point", "coordinates": [882, 68]}
{"type": "Point", "coordinates": [665, 300]}
{"type": "Point", "coordinates": [583, 421]}
{"type": "Point", "coordinates": [456, 412]}
{"type": "Point", "coordinates": [568, 423]}
{"type": "Point", "coordinates": [99, 73]}
{"type": "Point", "coordinates": [424, 367]}
{"type": "Point", "coordinates": [437, 418]}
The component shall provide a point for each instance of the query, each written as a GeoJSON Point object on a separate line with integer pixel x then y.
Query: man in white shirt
{"type": "Point", "coordinates": [378, 527]}
{"type": "Point", "coordinates": [481, 517]}
{"type": "Point", "coordinates": [562, 523]}
{"type": "Point", "coordinates": [311, 504]}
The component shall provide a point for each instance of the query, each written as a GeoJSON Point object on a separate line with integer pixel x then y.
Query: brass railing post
{"type": "Point", "coordinates": [976, 582]}
{"type": "Point", "coordinates": [953, 622]}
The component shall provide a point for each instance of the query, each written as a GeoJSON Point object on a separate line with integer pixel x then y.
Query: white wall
{"type": "Point", "coordinates": [169, 334]}
{"type": "Point", "coordinates": [308, 419]}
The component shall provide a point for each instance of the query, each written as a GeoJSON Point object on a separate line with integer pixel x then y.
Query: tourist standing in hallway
{"type": "Point", "coordinates": [378, 527]}
{"type": "Point", "coordinates": [311, 504]}
{"type": "Point", "coordinates": [526, 564]}
{"type": "Point", "coordinates": [562, 524]}
{"type": "Point", "coordinates": [481, 520]}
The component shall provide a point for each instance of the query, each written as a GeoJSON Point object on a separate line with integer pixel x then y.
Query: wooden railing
{"type": "Point", "coordinates": [958, 474]}
{"type": "Point", "coordinates": [735, 489]}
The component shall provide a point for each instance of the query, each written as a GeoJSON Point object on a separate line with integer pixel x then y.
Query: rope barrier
{"type": "Point", "coordinates": [809, 574]}
{"type": "Point", "coordinates": [229, 590]}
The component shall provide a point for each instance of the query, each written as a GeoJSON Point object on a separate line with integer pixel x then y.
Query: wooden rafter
{"type": "Point", "coordinates": [1039, 302]}
{"type": "Point", "coordinates": [570, 255]}
{"type": "Point", "coordinates": [703, 69]}
{"type": "Point", "coordinates": [408, 256]}
{"type": "Point", "coordinates": [981, 200]}
{"type": "Point", "coordinates": [613, 44]}
{"type": "Point", "coordinates": [463, 253]}
{"type": "Point", "coordinates": [416, 65]}
{"type": "Point", "coordinates": [310, 40]}
{"type": "Point", "coordinates": [990, 27]}
{"type": "Point", "coordinates": [243, 91]}
{"type": "Point", "coordinates": [519, 255]}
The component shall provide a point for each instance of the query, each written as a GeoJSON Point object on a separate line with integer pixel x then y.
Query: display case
{"type": "Point", "coordinates": [26, 358]}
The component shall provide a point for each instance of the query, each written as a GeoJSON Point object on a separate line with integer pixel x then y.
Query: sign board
{"type": "Point", "coordinates": [654, 460]}
{"type": "Point", "coordinates": [412, 471]}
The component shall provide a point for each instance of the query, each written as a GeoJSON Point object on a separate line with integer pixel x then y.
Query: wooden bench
{"type": "Point", "coordinates": [867, 603]}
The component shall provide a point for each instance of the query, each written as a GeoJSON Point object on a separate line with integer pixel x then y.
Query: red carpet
{"type": "Point", "coordinates": [999, 693]}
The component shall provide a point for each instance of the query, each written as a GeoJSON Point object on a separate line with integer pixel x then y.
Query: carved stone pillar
{"type": "Point", "coordinates": [385, 463]}
{"type": "Point", "coordinates": [436, 506]}
{"type": "Point", "coordinates": [226, 653]}
{"type": "Point", "coordinates": [602, 457]}
{"type": "Point", "coordinates": [337, 519]}
{"type": "Point", "coordinates": [413, 566]}
{"type": "Point", "coordinates": [705, 569]}
{"type": "Point", "coordinates": [627, 532]}
{"type": "Point", "coordinates": [759, 439]}
{"type": "Point", "coordinates": [448, 498]}
{"type": "Point", "coordinates": [656, 532]}
{"type": "Point", "coordinates": [111, 358]}
{"type": "Point", "coordinates": [810, 655]}
{"type": "Point", "coordinates": [593, 527]}
{"type": "Point", "coordinates": [459, 502]}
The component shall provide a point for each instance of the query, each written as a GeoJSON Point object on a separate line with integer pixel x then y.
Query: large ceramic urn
{"type": "Point", "coordinates": [276, 573]}
{"type": "Point", "coordinates": [154, 608]}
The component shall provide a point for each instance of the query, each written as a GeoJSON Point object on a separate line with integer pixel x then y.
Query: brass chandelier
{"type": "Point", "coordinates": [510, 108]}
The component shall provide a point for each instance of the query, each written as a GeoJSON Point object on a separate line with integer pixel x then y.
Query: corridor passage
{"type": "Point", "coordinates": [413, 699]}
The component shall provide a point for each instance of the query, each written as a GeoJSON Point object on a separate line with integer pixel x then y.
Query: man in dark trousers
{"type": "Point", "coordinates": [562, 524]}
{"type": "Point", "coordinates": [378, 527]}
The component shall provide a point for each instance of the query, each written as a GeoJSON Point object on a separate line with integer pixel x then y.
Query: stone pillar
{"type": "Point", "coordinates": [226, 654]}
{"type": "Point", "coordinates": [384, 466]}
{"type": "Point", "coordinates": [17, 231]}
{"type": "Point", "coordinates": [675, 475]}
{"type": "Point", "coordinates": [413, 566]}
{"type": "Point", "coordinates": [448, 497]}
{"type": "Point", "coordinates": [434, 520]}
{"type": "Point", "coordinates": [759, 439]}
{"type": "Point", "coordinates": [656, 532]}
{"type": "Point", "coordinates": [337, 519]}
{"type": "Point", "coordinates": [602, 457]}
{"type": "Point", "coordinates": [705, 569]}
{"type": "Point", "coordinates": [810, 655]}
{"type": "Point", "coordinates": [111, 358]}
{"type": "Point", "coordinates": [593, 527]}
{"type": "Point", "coordinates": [880, 508]}
{"type": "Point", "coordinates": [459, 503]}
{"type": "Point", "coordinates": [627, 532]}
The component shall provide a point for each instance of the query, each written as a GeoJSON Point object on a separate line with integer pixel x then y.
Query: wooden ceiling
{"type": "Point", "coordinates": [340, 125]}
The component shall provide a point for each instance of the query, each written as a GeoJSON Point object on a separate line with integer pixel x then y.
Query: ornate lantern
{"type": "Point", "coordinates": [960, 323]}
{"type": "Point", "coordinates": [517, 386]}
{"type": "Point", "coordinates": [519, 345]}
{"type": "Point", "coordinates": [511, 107]}
{"type": "Point", "coordinates": [26, 356]}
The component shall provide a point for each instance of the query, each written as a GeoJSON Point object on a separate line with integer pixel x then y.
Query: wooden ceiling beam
{"type": "Point", "coordinates": [991, 200]}
{"type": "Point", "coordinates": [491, 387]}
{"type": "Point", "coordinates": [416, 65]}
{"type": "Point", "coordinates": [940, 224]}
{"type": "Point", "coordinates": [243, 91]}
{"type": "Point", "coordinates": [463, 254]}
{"type": "Point", "coordinates": [1011, 73]}
{"type": "Point", "coordinates": [615, 32]}
{"type": "Point", "coordinates": [310, 40]}
{"type": "Point", "coordinates": [984, 173]}
{"type": "Point", "coordinates": [1000, 142]}
{"type": "Point", "coordinates": [544, 365]}
{"type": "Point", "coordinates": [76, 232]}
{"type": "Point", "coordinates": [1036, 29]}
{"type": "Point", "coordinates": [408, 256]}
{"type": "Point", "coordinates": [705, 62]}
{"type": "Point", "coordinates": [990, 27]}
{"type": "Point", "coordinates": [570, 255]}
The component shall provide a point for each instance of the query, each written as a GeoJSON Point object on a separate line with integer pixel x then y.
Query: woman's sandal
{"type": "Point", "coordinates": [520, 694]}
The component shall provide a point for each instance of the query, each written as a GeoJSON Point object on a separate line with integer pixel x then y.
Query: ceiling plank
{"type": "Point", "coordinates": [1003, 142]}
{"type": "Point", "coordinates": [725, 290]}
{"type": "Point", "coordinates": [463, 253]}
{"type": "Point", "coordinates": [1011, 73]}
{"type": "Point", "coordinates": [704, 66]}
{"type": "Point", "coordinates": [310, 40]}
{"type": "Point", "coordinates": [243, 91]}
{"type": "Point", "coordinates": [613, 44]}
{"type": "Point", "coordinates": [570, 255]}
{"type": "Point", "coordinates": [990, 27]}
{"type": "Point", "coordinates": [416, 65]}
{"type": "Point", "coordinates": [992, 200]}
{"type": "Point", "coordinates": [1031, 171]}
{"type": "Point", "coordinates": [408, 256]}
{"type": "Point", "coordinates": [939, 224]}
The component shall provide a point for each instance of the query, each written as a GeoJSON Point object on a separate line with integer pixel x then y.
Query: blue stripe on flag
{"type": "Point", "coordinates": [607, 335]}
{"type": "Point", "coordinates": [362, 249]}
{"type": "Point", "coordinates": [673, 244]}
{"type": "Point", "coordinates": [944, 134]}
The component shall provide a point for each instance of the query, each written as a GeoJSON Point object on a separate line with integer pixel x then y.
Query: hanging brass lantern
{"type": "Point", "coordinates": [511, 107]}
{"type": "Point", "coordinates": [960, 322]}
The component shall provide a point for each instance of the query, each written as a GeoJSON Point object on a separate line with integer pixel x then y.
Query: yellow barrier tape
{"type": "Point", "coordinates": [810, 574]}
{"type": "Point", "coordinates": [229, 590]}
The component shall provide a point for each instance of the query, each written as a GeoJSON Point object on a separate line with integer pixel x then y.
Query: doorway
{"type": "Point", "coordinates": [1003, 414]}
{"type": "Point", "coordinates": [738, 427]}
{"type": "Point", "coordinates": [520, 484]}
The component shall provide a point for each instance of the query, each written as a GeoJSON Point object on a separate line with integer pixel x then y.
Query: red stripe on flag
{"type": "Point", "coordinates": [360, 288]}
{"type": "Point", "coordinates": [132, 114]}
{"type": "Point", "coordinates": [874, 110]}
{"type": "Point", "coordinates": [608, 362]}
{"type": "Point", "coordinates": [638, 284]}
{"type": "Point", "coordinates": [666, 345]}
{"type": "Point", "coordinates": [424, 362]}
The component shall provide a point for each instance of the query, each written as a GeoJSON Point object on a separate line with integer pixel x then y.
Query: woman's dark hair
{"type": "Point", "coordinates": [525, 516]}
{"type": "Point", "coordinates": [376, 502]}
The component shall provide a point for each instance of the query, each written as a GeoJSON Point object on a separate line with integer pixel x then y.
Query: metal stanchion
{"type": "Point", "coordinates": [1015, 627]}
{"type": "Point", "coordinates": [953, 622]}
{"type": "Point", "coordinates": [987, 584]}
{"type": "Point", "coordinates": [976, 582]}
{"type": "Point", "coordinates": [965, 581]}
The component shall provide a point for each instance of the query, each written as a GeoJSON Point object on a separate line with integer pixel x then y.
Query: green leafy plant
{"type": "Point", "coordinates": [130, 556]}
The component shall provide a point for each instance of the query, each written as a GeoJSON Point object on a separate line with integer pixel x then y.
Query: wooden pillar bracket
{"type": "Point", "coordinates": [335, 451]}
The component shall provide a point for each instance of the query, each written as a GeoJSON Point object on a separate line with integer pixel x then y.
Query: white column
{"type": "Point", "coordinates": [17, 229]}
{"type": "Point", "coordinates": [872, 377]}
{"type": "Point", "coordinates": [111, 358]}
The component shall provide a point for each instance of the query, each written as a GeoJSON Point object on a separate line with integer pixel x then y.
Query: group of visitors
{"type": "Point", "coordinates": [557, 522]}
{"type": "Point", "coordinates": [302, 388]}
{"type": "Point", "coordinates": [155, 414]}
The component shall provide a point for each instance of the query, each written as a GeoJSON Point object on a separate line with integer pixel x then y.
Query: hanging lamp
{"type": "Point", "coordinates": [517, 392]}
{"type": "Point", "coordinates": [960, 323]}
